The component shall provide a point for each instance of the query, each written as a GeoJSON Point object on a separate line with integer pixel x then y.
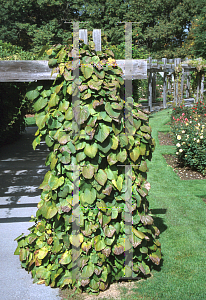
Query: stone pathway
{"type": "Point", "coordinates": [21, 172]}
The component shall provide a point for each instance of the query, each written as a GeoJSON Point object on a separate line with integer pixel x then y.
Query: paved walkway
{"type": "Point", "coordinates": [21, 172]}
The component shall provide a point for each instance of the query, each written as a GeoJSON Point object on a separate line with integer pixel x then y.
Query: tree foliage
{"type": "Point", "coordinates": [162, 26]}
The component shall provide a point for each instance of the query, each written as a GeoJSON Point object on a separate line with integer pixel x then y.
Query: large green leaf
{"type": "Point", "coordinates": [103, 132]}
{"type": "Point", "coordinates": [109, 230]}
{"type": "Point", "coordinates": [40, 103]}
{"type": "Point", "coordinates": [88, 197]}
{"type": "Point", "coordinates": [76, 240]}
{"type": "Point", "coordinates": [101, 177]}
{"type": "Point", "coordinates": [88, 171]}
{"type": "Point", "coordinates": [31, 95]}
{"type": "Point", "coordinates": [87, 70]}
{"type": "Point", "coordinates": [105, 146]}
{"type": "Point", "coordinates": [99, 243]}
{"type": "Point", "coordinates": [112, 159]}
{"type": "Point", "coordinates": [41, 120]}
{"type": "Point", "coordinates": [122, 155]}
{"type": "Point", "coordinates": [88, 270]}
{"type": "Point", "coordinates": [54, 100]}
{"type": "Point", "coordinates": [42, 253]}
{"type": "Point", "coordinates": [65, 158]}
{"type": "Point", "coordinates": [111, 112]}
{"type": "Point", "coordinates": [91, 150]}
{"type": "Point", "coordinates": [66, 258]}
{"type": "Point", "coordinates": [81, 114]}
{"type": "Point", "coordinates": [80, 156]}
{"type": "Point", "coordinates": [135, 153]}
{"type": "Point", "coordinates": [95, 85]}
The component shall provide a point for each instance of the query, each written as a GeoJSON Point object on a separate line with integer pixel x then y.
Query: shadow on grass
{"type": "Point", "coordinates": [203, 197]}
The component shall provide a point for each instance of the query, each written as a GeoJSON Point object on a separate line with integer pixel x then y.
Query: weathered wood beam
{"type": "Point", "coordinates": [32, 70]}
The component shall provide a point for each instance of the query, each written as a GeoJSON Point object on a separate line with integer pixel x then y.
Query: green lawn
{"type": "Point", "coordinates": [181, 217]}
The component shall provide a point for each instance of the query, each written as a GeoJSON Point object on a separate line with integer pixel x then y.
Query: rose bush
{"type": "Point", "coordinates": [188, 128]}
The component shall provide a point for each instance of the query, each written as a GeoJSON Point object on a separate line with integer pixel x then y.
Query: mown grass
{"type": "Point", "coordinates": [180, 214]}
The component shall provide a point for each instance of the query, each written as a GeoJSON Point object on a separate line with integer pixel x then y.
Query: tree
{"type": "Point", "coordinates": [196, 41]}
{"type": "Point", "coordinates": [32, 24]}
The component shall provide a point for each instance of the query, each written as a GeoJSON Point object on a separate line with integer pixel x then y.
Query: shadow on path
{"type": "Point", "coordinates": [22, 170]}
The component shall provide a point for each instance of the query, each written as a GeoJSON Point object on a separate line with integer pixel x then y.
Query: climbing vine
{"type": "Point", "coordinates": [90, 134]}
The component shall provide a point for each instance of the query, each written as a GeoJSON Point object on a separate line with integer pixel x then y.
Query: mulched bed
{"type": "Point", "coordinates": [185, 173]}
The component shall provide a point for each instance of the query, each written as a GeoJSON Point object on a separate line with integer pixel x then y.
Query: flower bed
{"type": "Point", "coordinates": [189, 132]}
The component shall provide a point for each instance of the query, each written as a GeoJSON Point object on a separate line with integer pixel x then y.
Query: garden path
{"type": "Point", "coordinates": [21, 172]}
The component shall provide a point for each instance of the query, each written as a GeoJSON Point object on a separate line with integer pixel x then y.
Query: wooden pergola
{"type": "Point", "coordinates": [28, 71]}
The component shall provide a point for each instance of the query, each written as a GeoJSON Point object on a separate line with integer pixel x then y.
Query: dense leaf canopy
{"type": "Point", "coordinates": [162, 26]}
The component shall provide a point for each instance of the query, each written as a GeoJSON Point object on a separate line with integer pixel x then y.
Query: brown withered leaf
{"type": "Point", "coordinates": [106, 251]}
{"type": "Point", "coordinates": [37, 262]}
{"type": "Point", "coordinates": [118, 249]}
{"type": "Point", "coordinates": [50, 240]}
{"type": "Point", "coordinates": [155, 259]}
{"type": "Point", "coordinates": [85, 233]}
{"type": "Point", "coordinates": [97, 272]}
{"type": "Point", "coordinates": [97, 103]}
{"type": "Point", "coordinates": [141, 192]}
{"type": "Point", "coordinates": [134, 244]}
{"type": "Point", "coordinates": [147, 186]}
{"type": "Point", "coordinates": [82, 87]}
{"type": "Point", "coordinates": [142, 269]}
{"type": "Point", "coordinates": [86, 248]}
{"type": "Point", "coordinates": [66, 208]}
{"type": "Point", "coordinates": [107, 191]}
{"type": "Point", "coordinates": [146, 220]}
{"type": "Point", "coordinates": [157, 232]}
{"type": "Point", "coordinates": [85, 282]}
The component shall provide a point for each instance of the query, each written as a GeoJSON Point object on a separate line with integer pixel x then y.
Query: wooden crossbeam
{"type": "Point", "coordinates": [32, 70]}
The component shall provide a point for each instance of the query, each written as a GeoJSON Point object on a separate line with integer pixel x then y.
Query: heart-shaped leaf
{"type": "Point", "coordinates": [88, 171]}
{"type": "Point", "coordinates": [88, 197]}
{"type": "Point", "coordinates": [81, 114]}
{"type": "Point", "coordinates": [135, 153]}
{"type": "Point", "coordinates": [103, 132]}
{"type": "Point", "coordinates": [101, 177]}
{"type": "Point", "coordinates": [87, 70]}
{"type": "Point", "coordinates": [76, 240]}
{"type": "Point", "coordinates": [66, 258]}
{"type": "Point", "coordinates": [91, 150]}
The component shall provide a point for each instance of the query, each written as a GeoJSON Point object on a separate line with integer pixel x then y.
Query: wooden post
{"type": "Point", "coordinates": [175, 90]}
{"type": "Point", "coordinates": [168, 85]}
{"type": "Point", "coordinates": [198, 86]}
{"type": "Point", "coordinates": [154, 87]}
{"type": "Point", "coordinates": [202, 86]}
{"type": "Point", "coordinates": [188, 85]}
{"type": "Point", "coordinates": [83, 35]}
{"type": "Point", "coordinates": [182, 86]}
{"type": "Point", "coordinates": [150, 85]}
{"type": "Point", "coordinates": [165, 85]}
{"type": "Point", "coordinates": [97, 39]}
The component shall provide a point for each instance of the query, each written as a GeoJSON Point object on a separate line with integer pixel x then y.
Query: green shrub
{"type": "Point", "coordinates": [188, 127]}
{"type": "Point", "coordinates": [92, 258]}
{"type": "Point", "coordinates": [13, 52]}
{"type": "Point", "coordinates": [13, 110]}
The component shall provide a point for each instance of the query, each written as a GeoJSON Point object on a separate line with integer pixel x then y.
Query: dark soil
{"type": "Point", "coordinates": [185, 173]}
